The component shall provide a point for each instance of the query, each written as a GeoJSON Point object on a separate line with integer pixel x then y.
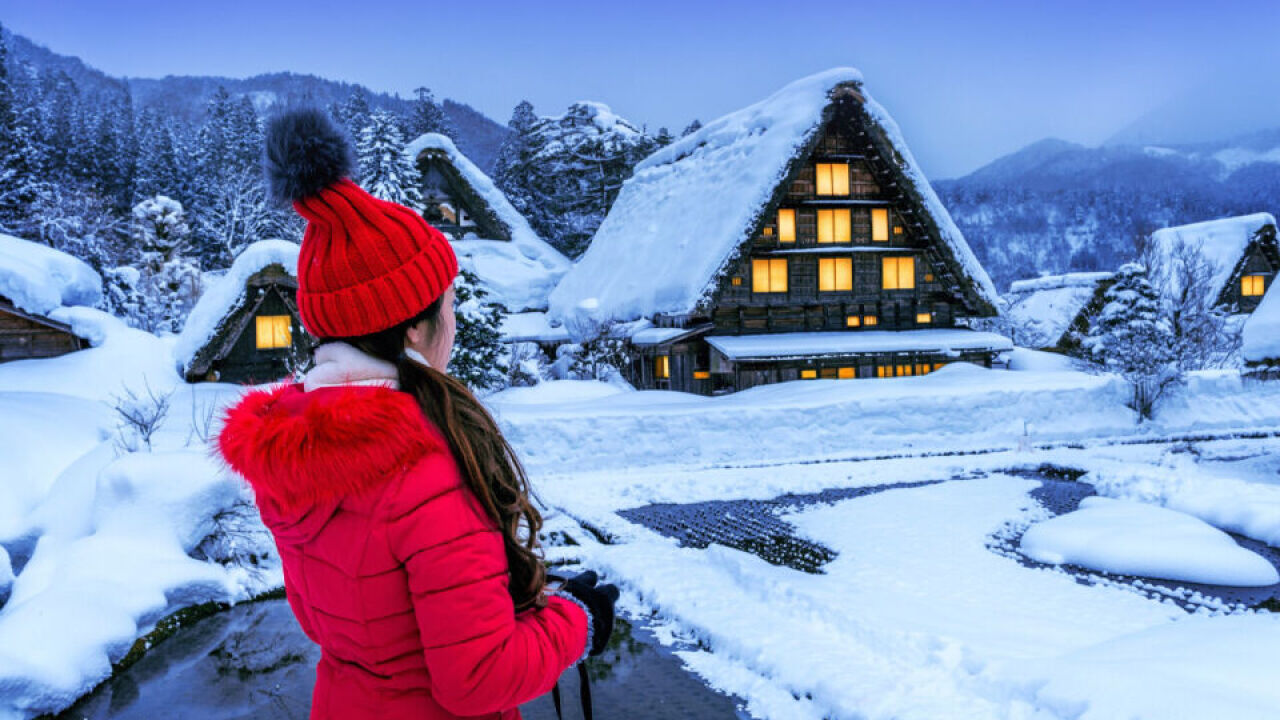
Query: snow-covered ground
{"type": "Point", "coordinates": [915, 617]}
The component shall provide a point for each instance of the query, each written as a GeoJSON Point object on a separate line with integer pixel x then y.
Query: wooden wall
{"type": "Point", "coordinates": [23, 337]}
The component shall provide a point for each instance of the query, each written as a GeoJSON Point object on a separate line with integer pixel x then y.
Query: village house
{"type": "Point", "coordinates": [1239, 255]}
{"type": "Point", "coordinates": [793, 239]}
{"type": "Point", "coordinates": [245, 329]}
{"type": "Point", "coordinates": [36, 284]}
{"type": "Point", "coordinates": [1051, 312]}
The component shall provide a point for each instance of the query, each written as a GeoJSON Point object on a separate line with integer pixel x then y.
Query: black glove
{"type": "Point", "coordinates": [599, 600]}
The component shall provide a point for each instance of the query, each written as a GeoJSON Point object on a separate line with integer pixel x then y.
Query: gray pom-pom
{"type": "Point", "coordinates": [305, 154]}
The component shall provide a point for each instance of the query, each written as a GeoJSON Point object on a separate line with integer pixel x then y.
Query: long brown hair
{"type": "Point", "coordinates": [489, 465]}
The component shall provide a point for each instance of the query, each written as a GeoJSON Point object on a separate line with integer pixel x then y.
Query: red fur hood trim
{"type": "Point", "coordinates": [299, 449]}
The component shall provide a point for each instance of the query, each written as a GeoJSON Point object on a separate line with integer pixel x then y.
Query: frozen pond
{"type": "Point", "coordinates": [253, 661]}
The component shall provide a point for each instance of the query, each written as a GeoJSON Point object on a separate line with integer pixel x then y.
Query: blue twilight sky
{"type": "Point", "coordinates": [967, 80]}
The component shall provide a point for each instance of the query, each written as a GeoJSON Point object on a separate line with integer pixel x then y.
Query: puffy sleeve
{"type": "Point", "coordinates": [481, 655]}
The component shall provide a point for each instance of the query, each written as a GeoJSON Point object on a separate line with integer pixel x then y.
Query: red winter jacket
{"type": "Point", "coordinates": [390, 563]}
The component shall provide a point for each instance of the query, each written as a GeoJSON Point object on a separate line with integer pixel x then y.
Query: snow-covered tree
{"type": "Point", "coordinates": [20, 155]}
{"type": "Point", "coordinates": [1203, 337]}
{"type": "Point", "coordinates": [236, 213]}
{"type": "Point", "coordinates": [158, 291]}
{"type": "Point", "coordinates": [1131, 336]}
{"type": "Point", "coordinates": [692, 128]}
{"type": "Point", "coordinates": [478, 359]}
{"type": "Point", "coordinates": [353, 113]}
{"type": "Point", "coordinates": [663, 138]}
{"type": "Point", "coordinates": [159, 169]}
{"type": "Point", "coordinates": [428, 116]}
{"type": "Point", "coordinates": [385, 171]}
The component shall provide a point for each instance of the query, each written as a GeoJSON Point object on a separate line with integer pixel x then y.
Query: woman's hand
{"type": "Point", "coordinates": [599, 600]}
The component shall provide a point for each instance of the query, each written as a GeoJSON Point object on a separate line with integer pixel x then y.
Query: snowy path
{"type": "Point", "coordinates": [916, 618]}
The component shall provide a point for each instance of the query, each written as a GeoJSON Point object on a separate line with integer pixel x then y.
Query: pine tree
{"type": "Point", "coordinates": [160, 295]}
{"type": "Point", "coordinates": [428, 116]}
{"type": "Point", "coordinates": [478, 359]}
{"type": "Point", "coordinates": [354, 112]}
{"type": "Point", "coordinates": [20, 155]}
{"type": "Point", "coordinates": [1131, 337]}
{"type": "Point", "coordinates": [385, 171]}
{"type": "Point", "coordinates": [663, 138]}
{"type": "Point", "coordinates": [158, 170]}
{"type": "Point", "coordinates": [513, 157]}
{"type": "Point", "coordinates": [692, 128]}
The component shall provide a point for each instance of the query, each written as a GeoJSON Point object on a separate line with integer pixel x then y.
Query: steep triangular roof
{"type": "Point", "coordinates": [1223, 243]}
{"type": "Point", "coordinates": [690, 207]}
{"type": "Point", "coordinates": [1041, 310]}
{"type": "Point", "coordinates": [216, 314]}
{"type": "Point", "coordinates": [38, 279]}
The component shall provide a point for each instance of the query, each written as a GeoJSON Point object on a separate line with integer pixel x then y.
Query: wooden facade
{"type": "Point", "coordinates": [261, 339]}
{"type": "Point", "coordinates": [1253, 274]}
{"type": "Point", "coordinates": [846, 244]}
{"type": "Point", "coordinates": [25, 336]}
{"type": "Point", "coordinates": [451, 204]}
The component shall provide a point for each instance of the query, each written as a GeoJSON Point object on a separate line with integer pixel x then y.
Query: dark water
{"type": "Point", "coordinates": [759, 527]}
{"type": "Point", "coordinates": [253, 661]}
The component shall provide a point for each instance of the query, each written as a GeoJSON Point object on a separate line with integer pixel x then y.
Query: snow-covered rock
{"type": "Point", "coordinates": [221, 297]}
{"type": "Point", "coordinates": [1130, 538]}
{"type": "Point", "coordinates": [38, 279]}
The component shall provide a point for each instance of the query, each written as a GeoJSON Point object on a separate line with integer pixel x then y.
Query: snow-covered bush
{"type": "Point", "coordinates": [602, 354]}
{"type": "Point", "coordinates": [1203, 337]}
{"type": "Point", "coordinates": [138, 417]}
{"type": "Point", "coordinates": [526, 364]}
{"type": "Point", "coordinates": [1131, 336]}
{"type": "Point", "coordinates": [478, 359]}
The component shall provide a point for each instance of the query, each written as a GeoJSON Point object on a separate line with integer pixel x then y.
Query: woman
{"type": "Point", "coordinates": [402, 516]}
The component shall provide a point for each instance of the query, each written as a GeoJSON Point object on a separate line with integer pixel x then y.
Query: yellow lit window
{"type": "Point", "coordinates": [884, 371]}
{"type": "Point", "coordinates": [768, 231]}
{"type": "Point", "coordinates": [274, 331]}
{"type": "Point", "coordinates": [833, 226]}
{"type": "Point", "coordinates": [846, 373]}
{"type": "Point", "coordinates": [938, 365]}
{"type": "Point", "coordinates": [1252, 285]}
{"type": "Point", "coordinates": [769, 275]}
{"type": "Point", "coordinates": [897, 229]}
{"type": "Point", "coordinates": [924, 318]}
{"type": "Point", "coordinates": [904, 370]}
{"type": "Point", "coordinates": [662, 367]}
{"type": "Point", "coordinates": [786, 226]}
{"type": "Point", "coordinates": [808, 374]}
{"type": "Point", "coordinates": [833, 178]}
{"type": "Point", "coordinates": [899, 273]}
{"type": "Point", "coordinates": [928, 277]}
{"type": "Point", "coordinates": [922, 368]}
{"type": "Point", "coordinates": [853, 321]}
{"type": "Point", "coordinates": [701, 375]}
{"type": "Point", "coordinates": [835, 274]}
{"type": "Point", "coordinates": [870, 320]}
{"type": "Point", "coordinates": [830, 373]}
{"type": "Point", "coordinates": [880, 225]}
{"type": "Point", "coordinates": [737, 281]}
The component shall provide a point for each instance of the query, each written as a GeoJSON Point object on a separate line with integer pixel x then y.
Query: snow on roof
{"type": "Point", "coordinates": [656, 335]}
{"type": "Point", "coordinates": [520, 279]}
{"type": "Point", "coordinates": [689, 206]}
{"type": "Point", "coordinates": [1260, 338]}
{"type": "Point", "coordinates": [531, 327]}
{"type": "Point", "coordinates": [1223, 242]}
{"type": "Point", "coordinates": [1042, 309]}
{"type": "Point", "coordinates": [222, 297]}
{"type": "Point", "coordinates": [38, 279]}
{"type": "Point", "coordinates": [811, 344]}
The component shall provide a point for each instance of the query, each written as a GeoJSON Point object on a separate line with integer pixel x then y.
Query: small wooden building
{"type": "Point", "coordinates": [25, 335]}
{"type": "Point", "coordinates": [35, 281]}
{"type": "Point", "coordinates": [793, 239]}
{"type": "Point", "coordinates": [1050, 312]}
{"type": "Point", "coordinates": [490, 237]}
{"type": "Point", "coordinates": [1240, 254]}
{"type": "Point", "coordinates": [245, 329]}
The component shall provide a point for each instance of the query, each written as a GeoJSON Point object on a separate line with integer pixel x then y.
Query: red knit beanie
{"type": "Point", "coordinates": [366, 264]}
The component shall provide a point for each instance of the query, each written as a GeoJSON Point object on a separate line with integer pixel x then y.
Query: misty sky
{"type": "Point", "coordinates": [968, 81]}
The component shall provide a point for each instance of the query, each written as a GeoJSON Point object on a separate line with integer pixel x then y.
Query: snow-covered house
{"type": "Point", "coordinates": [1260, 339]}
{"type": "Point", "coordinates": [1240, 258]}
{"type": "Point", "coordinates": [491, 238]}
{"type": "Point", "coordinates": [245, 328]}
{"type": "Point", "coordinates": [796, 238]}
{"type": "Point", "coordinates": [1049, 312]}
{"type": "Point", "coordinates": [35, 282]}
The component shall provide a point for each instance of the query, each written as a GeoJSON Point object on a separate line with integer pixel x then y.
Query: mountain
{"type": "Point", "coordinates": [1059, 207]}
{"type": "Point", "coordinates": [1215, 111]}
{"type": "Point", "coordinates": [184, 97]}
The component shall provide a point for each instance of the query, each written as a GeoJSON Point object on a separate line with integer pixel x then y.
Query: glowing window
{"type": "Point", "coordinates": [701, 375]}
{"type": "Point", "coordinates": [808, 374]}
{"type": "Point", "coordinates": [938, 365]}
{"type": "Point", "coordinates": [768, 231]}
{"type": "Point", "coordinates": [737, 281]}
{"type": "Point", "coordinates": [830, 373]}
{"type": "Point", "coordinates": [928, 277]}
{"type": "Point", "coordinates": [870, 320]}
{"type": "Point", "coordinates": [899, 273]}
{"type": "Point", "coordinates": [786, 226]}
{"type": "Point", "coordinates": [662, 367]}
{"type": "Point", "coordinates": [835, 274]}
{"type": "Point", "coordinates": [846, 373]}
{"type": "Point", "coordinates": [274, 331]}
{"type": "Point", "coordinates": [769, 275]}
{"type": "Point", "coordinates": [897, 229]}
{"type": "Point", "coordinates": [853, 321]}
{"type": "Point", "coordinates": [924, 318]}
{"type": "Point", "coordinates": [904, 370]}
{"type": "Point", "coordinates": [879, 225]}
{"type": "Point", "coordinates": [922, 368]}
{"type": "Point", "coordinates": [884, 371]}
{"type": "Point", "coordinates": [1252, 285]}
{"type": "Point", "coordinates": [833, 178]}
{"type": "Point", "coordinates": [834, 226]}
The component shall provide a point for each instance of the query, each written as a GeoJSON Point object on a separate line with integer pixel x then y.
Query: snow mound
{"type": "Point", "coordinates": [531, 327]}
{"type": "Point", "coordinates": [1260, 338]}
{"type": "Point", "coordinates": [1042, 309]}
{"type": "Point", "coordinates": [555, 391]}
{"type": "Point", "coordinates": [220, 298]}
{"type": "Point", "coordinates": [1129, 538]}
{"type": "Point", "coordinates": [39, 279]}
{"type": "Point", "coordinates": [1222, 242]}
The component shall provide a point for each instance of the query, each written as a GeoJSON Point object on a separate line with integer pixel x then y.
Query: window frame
{"type": "Point", "coordinates": [1253, 281]}
{"type": "Point", "coordinates": [829, 268]}
{"type": "Point", "coordinates": [897, 275]}
{"type": "Point", "coordinates": [273, 324]}
{"type": "Point", "coordinates": [769, 276]}
{"type": "Point", "coordinates": [832, 185]}
{"type": "Point", "coordinates": [834, 226]}
{"type": "Point", "coordinates": [787, 230]}
{"type": "Point", "coordinates": [883, 225]}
